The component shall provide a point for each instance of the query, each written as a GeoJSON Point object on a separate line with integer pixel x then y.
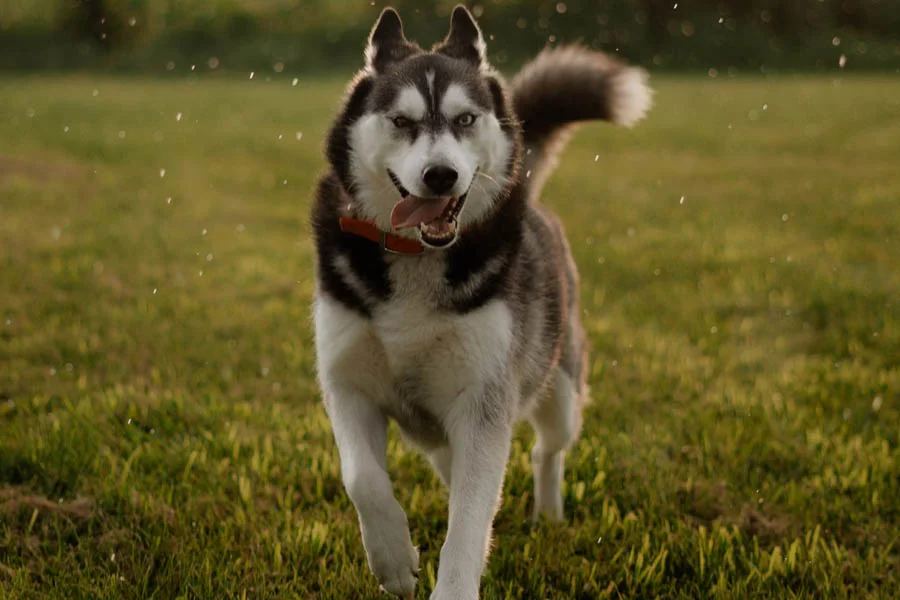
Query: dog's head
{"type": "Point", "coordinates": [426, 142]}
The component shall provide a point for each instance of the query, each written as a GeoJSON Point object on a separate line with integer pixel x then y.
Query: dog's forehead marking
{"type": "Point", "coordinates": [410, 103]}
{"type": "Point", "coordinates": [429, 79]}
{"type": "Point", "coordinates": [456, 101]}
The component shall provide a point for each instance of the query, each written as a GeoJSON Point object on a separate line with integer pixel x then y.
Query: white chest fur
{"type": "Point", "coordinates": [408, 342]}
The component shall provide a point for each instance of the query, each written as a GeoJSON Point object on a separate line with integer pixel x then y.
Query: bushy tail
{"type": "Point", "coordinates": [565, 85]}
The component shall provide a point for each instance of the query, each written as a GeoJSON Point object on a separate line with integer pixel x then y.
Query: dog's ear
{"type": "Point", "coordinates": [464, 40]}
{"type": "Point", "coordinates": [387, 44]}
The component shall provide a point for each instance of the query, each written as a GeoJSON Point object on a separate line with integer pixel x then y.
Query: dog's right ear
{"type": "Point", "coordinates": [387, 44]}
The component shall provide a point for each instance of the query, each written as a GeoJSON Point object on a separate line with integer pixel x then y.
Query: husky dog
{"type": "Point", "coordinates": [447, 298]}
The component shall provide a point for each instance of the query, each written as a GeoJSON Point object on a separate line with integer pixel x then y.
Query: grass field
{"type": "Point", "coordinates": [160, 429]}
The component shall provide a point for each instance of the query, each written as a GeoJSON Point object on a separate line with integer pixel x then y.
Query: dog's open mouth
{"type": "Point", "coordinates": [436, 217]}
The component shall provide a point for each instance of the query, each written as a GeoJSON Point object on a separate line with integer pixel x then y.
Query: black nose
{"type": "Point", "coordinates": [439, 178]}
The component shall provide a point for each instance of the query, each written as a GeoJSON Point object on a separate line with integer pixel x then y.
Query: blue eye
{"type": "Point", "coordinates": [402, 122]}
{"type": "Point", "coordinates": [465, 120]}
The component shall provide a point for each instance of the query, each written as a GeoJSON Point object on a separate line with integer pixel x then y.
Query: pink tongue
{"type": "Point", "coordinates": [412, 210]}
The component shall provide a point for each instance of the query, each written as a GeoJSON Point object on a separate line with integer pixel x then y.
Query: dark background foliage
{"type": "Point", "coordinates": [316, 35]}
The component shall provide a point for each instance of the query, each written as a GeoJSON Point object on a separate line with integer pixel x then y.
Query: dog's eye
{"type": "Point", "coordinates": [465, 120]}
{"type": "Point", "coordinates": [402, 122]}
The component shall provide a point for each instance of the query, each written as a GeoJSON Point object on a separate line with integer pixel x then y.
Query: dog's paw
{"type": "Point", "coordinates": [398, 580]}
{"type": "Point", "coordinates": [551, 511]}
{"type": "Point", "coordinates": [394, 561]}
{"type": "Point", "coordinates": [453, 592]}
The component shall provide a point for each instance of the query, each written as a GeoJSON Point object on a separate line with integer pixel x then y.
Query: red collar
{"type": "Point", "coordinates": [389, 242]}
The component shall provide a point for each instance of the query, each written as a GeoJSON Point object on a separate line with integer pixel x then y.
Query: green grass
{"type": "Point", "coordinates": [160, 429]}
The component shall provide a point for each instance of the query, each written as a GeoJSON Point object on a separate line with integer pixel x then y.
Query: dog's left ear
{"type": "Point", "coordinates": [464, 41]}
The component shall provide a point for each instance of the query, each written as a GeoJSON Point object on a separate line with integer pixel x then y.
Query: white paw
{"type": "Point", "coordinates": [549, 503]}
{"type": "Point", "coordinates": [444, 591]}
{"type": "Point", "coordinates": [554, 514]}
{"type": "Point", "coordinates": [393, 559]}
{"type": "Point", "coordinates": [548, 498]}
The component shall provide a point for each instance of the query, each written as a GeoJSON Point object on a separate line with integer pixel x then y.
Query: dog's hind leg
{"type": "Point", "coordinates": [556, 421]}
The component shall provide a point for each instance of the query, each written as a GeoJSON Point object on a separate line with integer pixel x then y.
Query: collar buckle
{"type": "Point", "coordinates": [382, 242]}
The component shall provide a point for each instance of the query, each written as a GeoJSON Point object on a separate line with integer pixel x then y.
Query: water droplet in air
{"type": "Point", "coordinates": [178, 116]}
{"type": "Point", "coordinates": [876, 403]}
{"type": "Point", "coordinates": [162, 172]}
{"type": "Point", "coordinates": [121, 135]}
{"type": "Point", "coordinates": [596, 157]}
{"type": "Point", "coordinates": [765, 107]}
{"type": "Point", "coordinates": [154, 290]}
{"type": "Point", "coordinates": [278, 67]}
{"type": "Point", "coordinates": [252, 74]}
{"type": "Point", "coordinates": [842, 61]}
{"type": "Point", "coordinates": [721, 20]}
{"type": "Point", "coordinates": [785, 217]}
{"type": "Point", "coordinates": [95, 93]}
{"type": "Point", "coordinates": [209, 257]}
{"type": "Point", "coordinates": [170, 66]}
{"type": "Point", "coordinates": [835, 41]}
{"type": "Point", "coordinates": [295, 82]}
{"type": "Point", "coordinates": [66, 129]}
{"type": "Point", "coordinates": [714, 329]}
{"type": "Point", "coordinates": [675, 7]}
{"type": "Point", "coordinates": [601, 260]}
{"type": "Point", "coordinates": [681, 201]}
{"type": "Point", "coordinates": [240, 228]}
{"type": "Point", "coordinates": [561, 8]}
{"type": "Point", "coordinates": [299, 135]}
{"type": "Point", "coordinates": [204, 232]}
{"type": "Point", "coordinates": [213, 62]}
{"type": "Point", "coordinates": [169, 200]}
{"type": "Point", "coordinates": [280, 137]}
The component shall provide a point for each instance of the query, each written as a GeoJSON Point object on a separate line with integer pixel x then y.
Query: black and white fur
{"type": "Point", "coordinates": [457, 343]}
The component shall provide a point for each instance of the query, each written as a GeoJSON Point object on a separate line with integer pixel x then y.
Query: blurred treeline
{"type": "Point", "coordinates": [294, 36]}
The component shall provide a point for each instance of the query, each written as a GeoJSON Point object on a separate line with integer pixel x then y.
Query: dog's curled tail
{"type": "Point", "coordinates": [566, 85]}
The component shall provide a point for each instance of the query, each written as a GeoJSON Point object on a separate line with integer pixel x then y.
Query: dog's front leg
{"type": "Point", "coordinates": [480, 436]}
{"type": "Point", "coordinates": [360, 430]}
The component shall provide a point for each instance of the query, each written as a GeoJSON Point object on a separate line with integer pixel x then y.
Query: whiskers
{"type": "Point", "coordinates": [489, 178]}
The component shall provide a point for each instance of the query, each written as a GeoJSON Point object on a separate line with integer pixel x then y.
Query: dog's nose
{"type": "Point", "coordinates": [439, 178]}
